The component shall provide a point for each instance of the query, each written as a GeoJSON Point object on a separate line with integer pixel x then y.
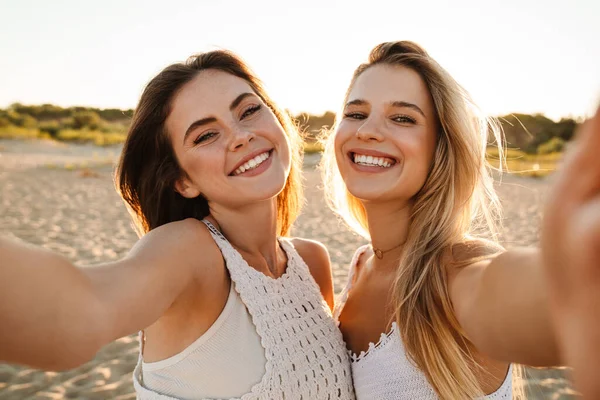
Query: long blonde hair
{"type": "Point", "coordinates": [456, 202]}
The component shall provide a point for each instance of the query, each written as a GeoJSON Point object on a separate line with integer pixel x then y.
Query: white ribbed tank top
{"type": "Point", "coordinates": [274, 339]}
{"type": "Point", "coordinates": [384, 370]}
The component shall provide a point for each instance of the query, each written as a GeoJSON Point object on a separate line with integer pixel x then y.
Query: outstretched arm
{"type": "Point", "coordinates": [541, 307]}
{"type": "Point", "coordinates": [571, 251]}
{"type": "Point", "coordinates": [502, 304]}
{"type": "Point", "coordinates": [55, 315]}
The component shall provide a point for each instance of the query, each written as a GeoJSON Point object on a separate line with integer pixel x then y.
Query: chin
{"type": "Point", "coordinates": [365, 190]}
{"type": "Point", "coordinates": [371, 191]}
{"type": "Point", "coordinates": [270, 185]}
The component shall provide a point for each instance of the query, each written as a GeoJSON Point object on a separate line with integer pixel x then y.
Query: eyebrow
{"type": "Point", "coordinates": [204, 121]}
{"type": "Point", "coordinates": [239, 99]}
{"type": "Point", "coordinates": [401, 104]}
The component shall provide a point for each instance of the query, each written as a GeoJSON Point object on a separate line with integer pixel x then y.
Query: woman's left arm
{"type": "Point", "coordinates": [503, 306]}
{"type": "Point", "coordinates": [570, 242]}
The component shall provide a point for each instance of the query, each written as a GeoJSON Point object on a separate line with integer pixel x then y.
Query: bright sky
{"type": "Point", "coordinates": [512, 55]}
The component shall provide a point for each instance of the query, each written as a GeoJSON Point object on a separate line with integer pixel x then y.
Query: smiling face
{"type": "Point", "coordinates": [231, 146]}
{"type": "Point", "coordinates": [385, 141]}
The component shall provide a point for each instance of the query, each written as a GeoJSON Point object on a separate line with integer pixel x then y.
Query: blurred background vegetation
{"type": "Point", "coordinates": [535, 143]}
{"type": "Point", "coordinates": [102, 127]}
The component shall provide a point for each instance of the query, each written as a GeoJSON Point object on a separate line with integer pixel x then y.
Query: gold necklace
{"type": "Point", "coordinates": [379, 253]}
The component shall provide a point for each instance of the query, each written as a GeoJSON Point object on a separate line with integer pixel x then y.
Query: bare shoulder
{"type": "Point", "coordinates": [316, 257]}
{"type": "Point", "coordinates": [473, 250]}
{"type": "Point", "coordinates": [184, 243]}
{"type": "Point", "coordinates": [465, 263]}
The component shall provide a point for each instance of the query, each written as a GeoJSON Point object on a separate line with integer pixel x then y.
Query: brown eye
{"type": "Point", "coordinates": [403, 119]}
{"type": "Point", "coordinates": [354, 115]}
{"type": "Point", "coordinates": [204, 137]}
{"type": "Point", "coordinates": [249, 111]}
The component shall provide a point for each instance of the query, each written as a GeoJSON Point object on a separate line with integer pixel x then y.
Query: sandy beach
{"type": "Point", "coordinates": [62, 198]}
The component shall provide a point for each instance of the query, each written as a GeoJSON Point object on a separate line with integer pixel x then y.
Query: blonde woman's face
{"type": "Point", "coordinates": [386, 137]}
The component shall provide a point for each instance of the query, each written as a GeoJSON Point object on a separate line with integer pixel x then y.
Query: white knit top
{"type": "Point", "coordinates": [301, 356]}
{"type": "Point", "coordinates": [385, 372]}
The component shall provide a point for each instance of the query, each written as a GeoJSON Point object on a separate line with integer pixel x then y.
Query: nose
{"type": "Point", "coordinates": [369, 131]}
{"type": "Point", "coordinates": [240, 138]}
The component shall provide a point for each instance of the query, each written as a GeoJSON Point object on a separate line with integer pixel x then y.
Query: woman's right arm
{"type": "Point", "coordinates": [55, 315]}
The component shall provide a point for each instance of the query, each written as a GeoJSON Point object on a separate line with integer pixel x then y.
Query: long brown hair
{"type": "Point", "coordinates": [456, 202]}
{"type": "Point", "coordinates": [148, 168]}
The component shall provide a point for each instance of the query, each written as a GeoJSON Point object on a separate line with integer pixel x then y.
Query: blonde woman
{"type": "Point", "coordinates": [431, 310]}
{"type": "Point", "coordinates": [227, 306]}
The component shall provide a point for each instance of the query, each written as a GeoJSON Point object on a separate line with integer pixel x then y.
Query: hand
{"type": "Point", "coordinates": [570, 242]}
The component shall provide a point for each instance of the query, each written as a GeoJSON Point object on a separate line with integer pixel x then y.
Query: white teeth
{"type": "Point", "coordinates": [251, 164]}
{"type": "Point", "coordinates": [372, 161]}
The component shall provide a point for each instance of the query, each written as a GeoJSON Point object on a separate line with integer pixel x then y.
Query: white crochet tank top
{"type": "Point", "coordinates": [384, 370]}
{"type": "Point", "coordinates": [304, 353]}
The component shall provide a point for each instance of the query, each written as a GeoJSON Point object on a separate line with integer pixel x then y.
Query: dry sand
{"type": "Point", "coordinates": [48, 200]}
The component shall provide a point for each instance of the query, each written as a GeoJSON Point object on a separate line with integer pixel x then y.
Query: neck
{"type": "Point", "coordinates": [388, 229]}
{"type": "Point", "coordinates": [252, 229]}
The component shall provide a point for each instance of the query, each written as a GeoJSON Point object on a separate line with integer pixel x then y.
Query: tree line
{"type": "Point", "coordinates": [530, 133]}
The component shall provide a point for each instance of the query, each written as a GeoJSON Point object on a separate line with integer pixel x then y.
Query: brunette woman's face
{"type": "Point", "coordinates": [386, 138]}
{"type": "Point", "coordinates": [228, 141]}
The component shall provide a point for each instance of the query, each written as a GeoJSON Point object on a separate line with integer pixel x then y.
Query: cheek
{"type": "Point", "coordinates": [338, 152]}
{"type": "Point", "coordinates": [341, 136]}
{"type": "Point", "coordinates": [418, 154]}
{"type": "Point", "coordinates": [286, 149]}
{"type": "Point", "coordinates": [203, 165]}
{"type": "Point", "coordinates": [418, 148]}
{"type": "Point", "coordinates": [275, 134]}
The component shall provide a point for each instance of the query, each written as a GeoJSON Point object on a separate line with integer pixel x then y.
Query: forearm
{"type": "Point", "coordinates": [509, 316]}
{"type": "Point", "coordinates": [55, 315]}
{"type": "Point", "coordinates": [46, 305]}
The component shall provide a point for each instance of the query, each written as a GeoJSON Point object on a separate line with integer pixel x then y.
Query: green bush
{"type": "Point", "coordinates": [50, 127]}
{"type": "Point", "coordinates": [18, 132]}
{"type": "Point", "coordinates": [97, 137]}
{"type": "Point", "coordinates": [86, 119]}
{"type": "Point", "coordinates": [554, 145]}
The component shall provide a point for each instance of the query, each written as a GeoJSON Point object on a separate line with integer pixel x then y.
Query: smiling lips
{"type": "Point", "coordinates": [372, 160]}
{"type": "Point", "coordinates": [252, 163]}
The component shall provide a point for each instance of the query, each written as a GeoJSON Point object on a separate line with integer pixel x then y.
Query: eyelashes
{"type": "Point", "coordinates": [354, 115]}
{"type": "Point", "coordinates": [249, 111]}
{"type": "Point", "coordinates": [401, 119]}
{"type": "Point", "coordinates": [204, 137]}
{"type": "Point", "coordinates": [404, 119]}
